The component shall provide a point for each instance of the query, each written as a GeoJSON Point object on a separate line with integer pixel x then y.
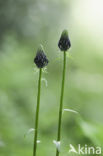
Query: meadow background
{"type": "Point", "coordinates": [23, 26]}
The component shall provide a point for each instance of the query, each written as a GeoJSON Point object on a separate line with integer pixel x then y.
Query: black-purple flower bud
{"type": "Point", "coordinates": [41, 60]}
{"type": "Point", "coordinates": [64, 42]}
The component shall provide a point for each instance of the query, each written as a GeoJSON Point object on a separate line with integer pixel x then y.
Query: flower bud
{"type": "Point", "coordinates": [64, 42]}
{"type": "Point", "coordinates": [41, 60]}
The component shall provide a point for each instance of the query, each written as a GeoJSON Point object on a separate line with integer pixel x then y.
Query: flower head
{"type": "Point", "coordinates": [40, 60]}
{"type": "Point", "coordinates": [64, 42]}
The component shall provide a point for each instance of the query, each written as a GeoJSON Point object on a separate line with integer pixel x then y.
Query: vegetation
{"type": "Point", "coordinates": [24, 25]}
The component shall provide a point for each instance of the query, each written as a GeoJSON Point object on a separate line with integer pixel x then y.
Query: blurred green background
{"type": "Point", "coordinates": [23, 26]}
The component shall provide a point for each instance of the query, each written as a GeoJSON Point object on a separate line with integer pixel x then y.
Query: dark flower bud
{"type": "Point", "coordinates": [40, 60]}
{"type": "Point", "coordinates": [64, 42]}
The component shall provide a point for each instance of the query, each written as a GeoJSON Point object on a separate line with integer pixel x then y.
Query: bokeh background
{"type": "Point", "coordinates": [23, 26]}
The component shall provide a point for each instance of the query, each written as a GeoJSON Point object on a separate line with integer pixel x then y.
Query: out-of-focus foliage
{"type": "Point", "coordinates": [24, 24]}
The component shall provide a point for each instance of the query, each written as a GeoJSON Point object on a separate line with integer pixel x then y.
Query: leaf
{"type": "Point", "coordinates": [45, 70]}
{"type": "Point", "coordinates": [70, 110]}
{"type": "Point", "coordinates": [94, 131]}
{"type": "Point", "coordinates": [29, 131]}
{"type": "Point", "coordinates": [69, 56]}
{"type": "Point", "coordinates": [57, 143]}
{"type": "Point", "coordinates": [36, 70]}
{"type": "Point", "coordinates": [46, 82]}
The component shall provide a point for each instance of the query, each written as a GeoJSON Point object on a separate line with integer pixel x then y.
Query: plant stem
{"type": "Point", "coordinates": [37, 114]}
{"type": "Point", "coordinates": [61, 102]}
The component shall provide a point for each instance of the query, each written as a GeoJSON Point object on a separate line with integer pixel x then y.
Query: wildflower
{"type": "Point", "coordinates": [64, 42]}
{"type": "Point", "coordinates": [41, 60]}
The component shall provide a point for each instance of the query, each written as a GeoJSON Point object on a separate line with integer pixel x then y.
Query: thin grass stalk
{"type": "Point", "coordinates": [61, 102]}
{"type": "Point", "coordinates": [37, 114]}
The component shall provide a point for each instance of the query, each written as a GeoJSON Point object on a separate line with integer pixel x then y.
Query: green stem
{"type": "Point", "coordinates": [37, 114]}
{"type": "Point", "coordinates": [61, 102]}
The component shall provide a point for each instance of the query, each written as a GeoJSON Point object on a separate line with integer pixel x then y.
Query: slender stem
{"type": "Point", "coordinates": [61, 102]}
{"type": "Point", "coordinates": [37, 114]}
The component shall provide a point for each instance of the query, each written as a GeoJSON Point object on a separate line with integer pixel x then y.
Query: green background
{"type": "Point", "coordinates": [23, 26]}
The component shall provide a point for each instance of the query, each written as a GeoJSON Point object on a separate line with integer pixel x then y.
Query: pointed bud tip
{"type": "Point", "coordinates": [40, 48]}
{"type": "Point", "coordinates": [64, 33]}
